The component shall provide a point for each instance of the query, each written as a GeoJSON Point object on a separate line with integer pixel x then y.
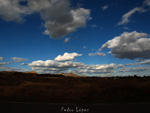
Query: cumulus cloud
{"type": "Point", "coordinates": [66, 40]}
{"type": "Point", "coordinates": [61, 64]}
{"type": "Point", "coordinates": [126, 16]}
{"type": "Point", "coordinates": [60, 19]}
{"type": "Point", "coordinates": [16, 59]}
{"type": "Point", "coordinates": [67, 56]}
{"type": "Point", "coordinates": [132, 45]}
{"type": "Point", "coordinates": [105, 7]}
{"type": "Point", "coordinates": [97, 69]}
{"type": "Point", "coordinates": [12, 10]}
{"type": "Point", "coordinates": [54, 66]}
{"type": "Point", "coordinates": [97, 54]}
{"type": "Point", "coordinates": [1, 58]}
{"type": "Point", "coordinates": [51, 66]}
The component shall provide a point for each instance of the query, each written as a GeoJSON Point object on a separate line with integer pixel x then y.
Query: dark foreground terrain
{"type": "Point", "coordinates": [50, 88]}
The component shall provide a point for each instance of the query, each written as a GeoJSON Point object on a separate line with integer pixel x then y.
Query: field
{"type": "Point", "coordinates": [36, 88]}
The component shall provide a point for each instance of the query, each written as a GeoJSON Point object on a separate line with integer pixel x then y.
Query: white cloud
{"type": "Point", "coordinates": [97, 54]}
{"type": "Point", "coordinates": [97, 69]}
{"type": "Point", "coordinates": [23, 64]}
{"type": "Point", "coordinates": [126, 16]}
{"type": "Point", "coordinates": [5, 68]}
{"type": "Point", "coordinates": [66, 40]}
{"type": "Point", "coordinates": [147, 62]}
{"type": "Point", "coordinates": [1, 58]}
{"type": "Point", "coordinates": [132, 45]}
{"type": "Point", "coordinates": [135, 69]}
{"type": "Point", "coordinates": [16, 59]}
{"type": "Point", "coordinates": [67, 56]}
{"type": "Point", "coordinates": [11, 10]}
{"type": "Point", "coordinates": [54, 66]}
{"type": "Point", "coordinates": [4, 63]}
{"type": "Point", "coordinates": [109, 52]}
{"type": "Point", "coordinates": [105, 7]}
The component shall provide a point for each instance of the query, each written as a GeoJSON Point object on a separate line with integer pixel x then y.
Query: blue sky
{"type": "Point", "coordinates": [78, 33]}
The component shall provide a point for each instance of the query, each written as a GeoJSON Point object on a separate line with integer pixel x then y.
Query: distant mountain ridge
{"type": "Point", "coordinates": [35, 74]}
{"type": "Point", "coordinates": [72, 75]}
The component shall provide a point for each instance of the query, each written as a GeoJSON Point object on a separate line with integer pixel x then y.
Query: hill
{"type": "Point", "coordinates": [72, 75]}
{"type": "Point", "coordinates": [69, 88]}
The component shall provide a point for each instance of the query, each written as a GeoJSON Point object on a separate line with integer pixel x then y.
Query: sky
{"type": "Point", "coordinates": [86, 37]}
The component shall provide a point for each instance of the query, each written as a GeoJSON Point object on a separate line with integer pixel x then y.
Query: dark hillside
{"type": "Point", "coordinates": [55, 88]}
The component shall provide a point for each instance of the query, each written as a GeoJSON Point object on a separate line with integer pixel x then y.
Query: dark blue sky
{"type": "Point", "coordinates": [86, 25]}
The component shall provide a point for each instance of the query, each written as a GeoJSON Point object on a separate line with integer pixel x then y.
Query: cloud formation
{"type": "Point", "coordinates": [147, 2]}
{"type": "Point", "coordinates": [4, 63]}
{"type": "Point", "coordinates": [97, 69]}
{"type": "Point", "coordinates": [5, 68]}
{"type": "Point", "coordinates": [65, 24]}
{"type": "Point", "coordinates": [60, 19]}
{"type": "Point", "coordinates": [1, 58]}
{"type": "Point", "coordinates": [135, 69]}
{"type": "Point", "coordinates": [132, 45]}
{"type": "Point", "coordinates": [126, 16]}
{"type": "Point", "coordinates": [23, 64]}
{"type": "Point", "coordinates": [16, 59]}
{"type": "Point", "coordinates": [105, 7]}
{"type": "Point", "coordinates": [97, 54]}
{"type": "Point", "coordinates": [12, 10]}
{"type": "Point", "coordinates": [67, 56]}
{"type": "Point", "coordinates": [66, 40]}
{"type": "Point", "coordinates": [146, 62]}
{"type": "Point", "coordinates": [51, 66]}
{"type": "Point", "coordinates": [61, 64]}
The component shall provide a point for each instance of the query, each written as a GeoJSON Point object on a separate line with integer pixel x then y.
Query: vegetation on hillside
{"type": "Point", "coordinates": [56, 88]}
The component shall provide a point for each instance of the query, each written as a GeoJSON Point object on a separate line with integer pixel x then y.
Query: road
{"type": "Point", "coordinates": [14, 107]}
